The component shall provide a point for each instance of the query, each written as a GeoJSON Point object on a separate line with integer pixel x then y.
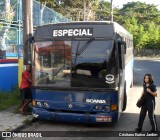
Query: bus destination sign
{"type": "Point", "coordinates": [85, 32]}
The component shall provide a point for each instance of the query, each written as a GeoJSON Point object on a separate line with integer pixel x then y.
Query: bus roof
{"type": "Point", "coordinates": [116, 27]}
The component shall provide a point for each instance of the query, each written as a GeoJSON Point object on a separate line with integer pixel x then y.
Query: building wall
{"type": "Point", "coordinates": [8, 74]}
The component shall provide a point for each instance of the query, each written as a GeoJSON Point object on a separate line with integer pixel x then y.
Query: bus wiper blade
{"type": "Point", "coordinates": [79, 52]}
{"type": "Point", "coordinates": [59, 70]}
{"type": "Point", "coordinates": [85, 46]}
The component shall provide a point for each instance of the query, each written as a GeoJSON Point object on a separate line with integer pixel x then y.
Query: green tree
{"type": "Point", "coordinates": [146, 28]}
{"type": "Point", "coordinates": [74, 9]}
{"type": "Point", "coordinates": [103, 11]}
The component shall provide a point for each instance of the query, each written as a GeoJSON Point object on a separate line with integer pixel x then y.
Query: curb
{"type": "Point", "coordinates": [23, 125]}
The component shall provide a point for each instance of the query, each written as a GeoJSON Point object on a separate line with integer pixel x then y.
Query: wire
{"type": "Point", "coordinates": [101, 4]}
{"type": "Point", "coordinates": [104, 6]}
{"type": "Point", "coordinates": [65, 9]}
{"type": "Point", "coordinates": [76, 6]}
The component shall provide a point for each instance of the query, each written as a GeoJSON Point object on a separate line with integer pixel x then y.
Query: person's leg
{"type": "Point", "coordinates": [152, 116]}
{"type": "Point", "coordinates": [22, 92]}
{"type": "Point", "coordinates": [27, 99]}
{"type": "Point", "coordinates": [142, 117]}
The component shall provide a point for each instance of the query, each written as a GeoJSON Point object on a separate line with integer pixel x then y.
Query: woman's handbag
{"type": "Point", "coordinates": [140, 101]}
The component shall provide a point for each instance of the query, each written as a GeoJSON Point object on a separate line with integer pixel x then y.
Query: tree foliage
{"type": "Point", "coordinates": [140, 19]}
{"type": "Point", "coordinates": [143, 21]}
{"type": "Point", "coordinates": [74, 9]}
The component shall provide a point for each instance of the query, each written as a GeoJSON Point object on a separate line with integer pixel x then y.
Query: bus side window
{"type": "Point", "coordinates": [124, 46]}
{"type": "Point", "coordinates": [121, 55]}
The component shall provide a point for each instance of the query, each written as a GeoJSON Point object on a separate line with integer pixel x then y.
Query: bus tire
{"type": "Point", "coordinates": [124, 99]}
{"type": "Point", "coordinates": [132, 81]}
{"type": "Point", "coordinates": [131, 84]}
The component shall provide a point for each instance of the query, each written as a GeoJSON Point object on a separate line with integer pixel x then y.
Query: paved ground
{"type": "Point", "coordinates": [10, 121]}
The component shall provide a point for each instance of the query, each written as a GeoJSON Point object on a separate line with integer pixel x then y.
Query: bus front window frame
{"type": "Point", "coordinates": [69, 72]}
{"type": "Point", "coordinates": [47, 72]}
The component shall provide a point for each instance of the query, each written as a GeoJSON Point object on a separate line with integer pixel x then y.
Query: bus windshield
{"type": "Point", "coordinates": [74, 64]}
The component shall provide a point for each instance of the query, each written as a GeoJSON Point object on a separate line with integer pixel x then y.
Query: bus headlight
{"type": "Point", "coordinates": [98, 107]}
{"type": "Point", "coordinates": [46, 105]}
{"type": "Point", "coordinates": [107, 108]}
{"type": "Point", "coordinates": [39, 104]}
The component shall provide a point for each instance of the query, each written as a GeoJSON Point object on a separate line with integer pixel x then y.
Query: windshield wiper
{"type": "Point", "coordinates": [84, 46]}
{"type": "Point", "coordinates": [79, 52]}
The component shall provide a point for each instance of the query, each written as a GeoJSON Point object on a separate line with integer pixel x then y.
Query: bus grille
{"type": "Point", "coordinates": [71, 111]}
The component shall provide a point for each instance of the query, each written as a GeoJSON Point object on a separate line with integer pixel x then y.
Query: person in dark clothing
{"type": "Point", "coordinates": [150, 92]}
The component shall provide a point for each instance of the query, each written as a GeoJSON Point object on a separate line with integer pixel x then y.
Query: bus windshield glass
{"type": "Point", "coordinates": [74, 64]}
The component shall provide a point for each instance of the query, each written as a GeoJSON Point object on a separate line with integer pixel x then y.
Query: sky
{"type": "Point", "coordinates": [119, 3]}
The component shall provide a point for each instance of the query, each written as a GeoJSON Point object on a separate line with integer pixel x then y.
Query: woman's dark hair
{"type": "Point", "coordinates": [150, 78]}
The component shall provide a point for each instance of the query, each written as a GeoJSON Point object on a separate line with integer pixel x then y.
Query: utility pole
{"type": "Point", "coordinates": [27, 29]}
{"type": "Point", "coordinates": [111, 11]}
{"type": "Point", "coordinates": [84, 10]}
{"type": "Point", "coordinates": [19, 11]}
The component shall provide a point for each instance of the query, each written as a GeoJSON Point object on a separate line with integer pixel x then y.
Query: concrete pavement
{"type": "Point", "coordinates": [11, 121]}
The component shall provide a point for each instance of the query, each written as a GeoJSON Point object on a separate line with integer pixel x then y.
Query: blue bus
{"type": "Point", "coordinates": [82, 71]}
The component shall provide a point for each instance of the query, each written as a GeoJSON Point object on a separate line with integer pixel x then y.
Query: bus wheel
{"type": "Point", "coordinates": [131, 81]}
{"type": "Point", "coordinates": [125, 99]}
{"type": "Point", "coordinates": [131, 84]}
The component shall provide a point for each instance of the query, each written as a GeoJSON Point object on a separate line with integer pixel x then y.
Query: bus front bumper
{"type": "Point", "coordinates": [41, 113]}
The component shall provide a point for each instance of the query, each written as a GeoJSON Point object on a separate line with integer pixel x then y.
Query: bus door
{"type": "Point", "coordinates": [121, 70]}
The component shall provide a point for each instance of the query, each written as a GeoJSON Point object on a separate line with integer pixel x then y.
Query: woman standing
{"type": "Point", "coordinates": [150, 92]}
